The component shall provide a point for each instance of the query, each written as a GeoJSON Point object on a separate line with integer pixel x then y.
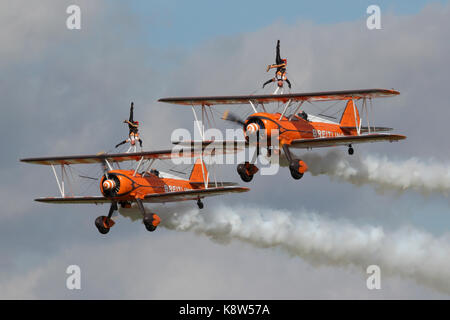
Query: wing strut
{"type": "Point", "coordinates": [61, 189]}
{"type": "Point", "coordinates": [357, 125]}
{"type": "Point", "coordinates": [285, 108]}
{"type": "Point", "coordinates": [296, 110]}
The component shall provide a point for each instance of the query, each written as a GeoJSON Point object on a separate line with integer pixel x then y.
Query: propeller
{"type": "Point", "coordinates": [228, 116]}
{"type": "Point", "coordinates": [87, 177]}
{"type": "Point", "coordinates": [110, 182]}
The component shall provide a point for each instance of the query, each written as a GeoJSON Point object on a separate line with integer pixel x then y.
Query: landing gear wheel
{"type": "Point", "coordinates": [200, 204]}
{"type": "Point", "coordinates": [151, 221]}
{"type": "Point", "coordinates": [246, 171]}
{"type": "Point", "coordinates": [350, 150]}
{"type": "Point", "coordinates": [100, 225]}
{"type": "Point", "coordinates": [245, 177]}
{"type": "Point", "coordinates": [294, 168]}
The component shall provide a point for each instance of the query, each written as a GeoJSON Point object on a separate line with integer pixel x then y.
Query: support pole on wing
{"type": "Point", "coordinates": [197, 122]}
{"type": "Point", "coordinates": [57, 181]}
{"type": "Point", "coordinates": [357, 125]}
{"type": "Point", "coordinates": [138, 166]}
{"type": "Point", "coordinates": [62, 180]}
{"type": "Point", "coordinates": [285, 108]}
{"type": "Point", "coordinates": [296, 110]}
{"type": "Point", "coordinates": [253, 106]}
{"type": "Point", "coordinates": [108, 164]}
{"type": "Point", "coordinates": [148, 167]}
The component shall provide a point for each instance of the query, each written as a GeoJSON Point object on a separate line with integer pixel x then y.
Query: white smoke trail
{"type": "Point", "coordinates": [407, 252]}
{"type": "Point", "coordinates": [382, 173]}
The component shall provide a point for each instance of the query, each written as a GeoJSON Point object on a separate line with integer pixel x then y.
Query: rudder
{"type": "Point", "coordinates": [197, 173]}
{"type": "Point", "coordinates": [348, 116]}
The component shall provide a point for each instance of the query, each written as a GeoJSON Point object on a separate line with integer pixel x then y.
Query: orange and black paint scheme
{"type": "Point", "coordinates": [124, 187]}
{"type": "Point", "coordinates": [296, 130]}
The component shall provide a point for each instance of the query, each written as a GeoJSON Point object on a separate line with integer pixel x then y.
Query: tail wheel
{"type": "Point", "coordinates": [103, 224]}
{"type": "Point", "coordinates": [200, 204]}
{"type": "Point", "coordinates": [247, 171]}
{"type": "Point", "coordinates": [350, 150]}
{"type": "Point", "coordinates": [151, 221]}
{"type": "Point", "coordinates": [297, 168]}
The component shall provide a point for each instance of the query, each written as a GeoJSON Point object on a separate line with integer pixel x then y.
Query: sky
{"type": "Point", "coordinates": [67, 92]}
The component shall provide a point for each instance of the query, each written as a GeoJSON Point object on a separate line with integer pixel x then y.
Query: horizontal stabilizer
{"type": "Point", "coordinates": [366, 129]}
{"type": "Point", "coordinates": [214, 184]}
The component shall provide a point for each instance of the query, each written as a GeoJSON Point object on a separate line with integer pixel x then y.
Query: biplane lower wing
{"type": "Point", "coordinates": [344, 140]}
{"type": "Point", "coordinates": [192, 194]}
{"type": "Point", "coordinates": [154, 197]}
{"type": "Point", "coordinates": [75, 200]}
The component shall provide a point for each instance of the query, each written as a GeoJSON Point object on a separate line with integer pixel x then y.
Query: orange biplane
{"type": "Point", "coordinates": [297, 129]}
{"type": "Point", "coordinates": [124, 187]}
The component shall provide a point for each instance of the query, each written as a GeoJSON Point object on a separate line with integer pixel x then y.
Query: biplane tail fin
{"type": "Point", "coordinates": [349, 115]}
{"type": "Point", "coordinates": [199, 172]}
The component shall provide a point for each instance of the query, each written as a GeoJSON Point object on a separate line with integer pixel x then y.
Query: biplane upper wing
{"type": "Point", "coordinates": [344, 140]}
{"type": "Point", "coordinates": [154, 197]}
{"type": "Point", "coordinates": [193, 194]}
{"type": "Point", "coordinates": [120, 157]}
{"type": "Point", "coordinates": [267, 98]}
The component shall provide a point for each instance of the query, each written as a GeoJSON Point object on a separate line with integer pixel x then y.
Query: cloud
{"type": "Point", "coordinates": [174, 265]}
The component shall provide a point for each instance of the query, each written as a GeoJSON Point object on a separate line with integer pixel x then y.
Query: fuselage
{"type": "Point", "coordinates": [295, 127]}
{"type": "Point", "coordinates": [124, 185]}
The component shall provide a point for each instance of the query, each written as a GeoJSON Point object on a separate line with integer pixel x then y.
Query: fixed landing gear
{"type": "Point", "coordinates": [350, 149]}
{"type": "Point", "coordinates": [104, 223]}
{"type": "Point", "coordinates": [150, 220]}
{"type": "Point", "coordinates": [247, 171]}
{"type": "Point", "coordinates": [200, 204]}
{"type": "Point", "coordinates": [296, 169]}
{"type": "Point", "coordinates": [296, 166]}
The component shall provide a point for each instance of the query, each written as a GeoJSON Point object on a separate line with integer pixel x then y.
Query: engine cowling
{"type": "Point", "coordinates": [260, 125]}
{"type": "Point", "coordinates": [115, 185]}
